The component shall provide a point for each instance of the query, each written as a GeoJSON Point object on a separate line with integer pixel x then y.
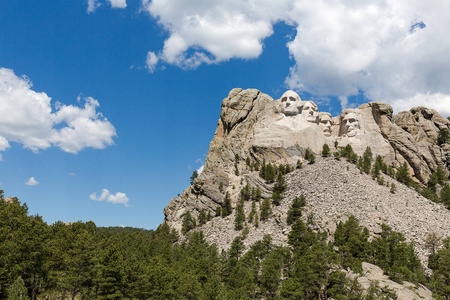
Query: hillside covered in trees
{"type": "Point", "coordinates": [81, 261]}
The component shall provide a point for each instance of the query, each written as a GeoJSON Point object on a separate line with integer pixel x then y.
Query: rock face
{"type": "Point", "coordinates": [405, 291]}
{"type": "Point", "coordinates": [252, 125]}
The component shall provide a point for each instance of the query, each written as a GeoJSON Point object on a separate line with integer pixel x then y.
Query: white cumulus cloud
{"type": "Point", "coordinates": [31, 181]}
{"type": "Point", "coordinates": [391, 51]}
{"type": "Point", "coordinates": [119, 197]}
{"type": "Point", "coordinates": [28, 118]}
{"type": "Point", "coordinates": [118, 3]}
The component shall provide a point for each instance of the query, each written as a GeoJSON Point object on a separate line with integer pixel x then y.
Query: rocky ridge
{"type": "Point", "coordinates": [252, 125]}
{"type": "Point", "coordinates": [335, 190]}
{"type": "Point", "coordinates": [254, 128]}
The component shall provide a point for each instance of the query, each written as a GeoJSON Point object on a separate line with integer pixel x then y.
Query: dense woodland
{"type": "Point", "coordinates": [83, 261]}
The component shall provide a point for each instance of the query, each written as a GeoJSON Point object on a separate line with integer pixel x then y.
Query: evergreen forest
{"type": "Point", "coordinates": [83, 261]}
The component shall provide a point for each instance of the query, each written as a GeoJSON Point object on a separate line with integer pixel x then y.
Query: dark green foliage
{"type": "Point", "coordinates": [188, 222]}
{"type": "Point", "coordinates": [301, 237]}
{"type": "Point", "coordinates": [352, 242]}
{"type": "Point", "coordinates": [239, 218]}
{"type": "Point", "coordinates": [309, 156]}
{"type": "Point", "coordinates": [337, 155]}
{"type": "Point", "coordinates": [202, 217]}
{"type": "Point", "coordinates": [257, 195]}
{"type": "Point", "coordinates": [278, 189]}
{"type": "Point", "coordinates": [276, 198]}
{"type": "Point", "coordinates": [402, 175]}
{"type": "Point", "coordinates": [194, 175]}
{"type": "Point", "coordinates": [378, 166]}
{"type": "Point", "coordinates": [347, 152]}
{"type": "Point", "coordinates": [443, 136]}
{"type": "Point", "coordinates": [325, 150]}
{"type": "Point", "coordinates": [265, 209]}
{"type": "Point", "coordinates": [287, 169]}
{"type": "Point", "coordinates": [247, 162]}
{"type": "Point", "coordinates": [267, 172]}
{"type": "Point", "coordinates": [445, 195]}
{"type": "Point", "coordinates": [252, 213]}
{"type": "Point", "coordinates": [227, 209]}
{"type": "Point", "coordinates": [17, 291]}
{"type": "Point", "coordinates": [367, 160]}
{"type": "Point", "coordinates": [81, 261]}
{"type": "Point", "coordinates": [340, 287]}
{"type": "Point", "coordinates": [437, 177]}
{"type": "Point", "coordinates": [246, 193]}
{"type": "Point", "coordinates": [218, 211]}
{"type": "Point", "coordinates": [441, 270]}
{"type": "Point", "coordinates": [396, 257]}
{"type": "Point", "coordinates": [221, 186]}
{"type": "Point", "coordinates": [270, 173]}
{"type": "Point", "coordinates": [296, 209]}
{"type": "Point", "coordinates": [430, 193]}
{"type": "Point", "coordinates": [393, 188]}
{"type": "Point", "coordinates": [236, 169]}
{"type": "Point", "coordinates": [299, 164]}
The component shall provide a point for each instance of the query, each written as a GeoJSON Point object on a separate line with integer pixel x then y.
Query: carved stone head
{"type": "Point", "coordinates": [325, 122]}
{"type": "Point", "coordinates": [351, 124]}
{"type": "Point", "coordinates": [310, 111]}
{"type": "Point", "coordinates": [290, 103]}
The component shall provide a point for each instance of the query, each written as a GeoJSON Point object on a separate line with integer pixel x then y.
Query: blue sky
{"type": "Point", "coordinates": [124, 95]}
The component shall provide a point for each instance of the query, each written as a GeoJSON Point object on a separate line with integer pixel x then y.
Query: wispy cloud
{"type": "Point", "coordinates": [32, 181]}
{"type": "Point", "coordinates": [119, 197]}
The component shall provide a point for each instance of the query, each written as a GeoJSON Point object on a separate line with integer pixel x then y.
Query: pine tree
{"type": "Point", "coordinates": [202, 217]}
{"type": "Point", "coordinates": [403, 174]}
{"type": "Point", "coordinates": [296, 209]}
{"type": "Point", "coordinates": [218, 211]}
{"type": "Point", "coordinates": [188, 222]}
{"type": "Point", "coordinates": [258, 195]}
{"type": "Point", "coordinates": [239, 218]}
{"type": "Point", "coordinates": [325, 150]}
{"type": "Point", "coordinates": [367, 160]}
{"type": "Point", "coordinates": [278, 189]}
{"type": "Point", "coordinates": [227, 209]}
{"type": "Point", "coordinates": [445, 195]}
{"type": "Point", "coordinates": [309, 156]}
{"type": "Point", "coordinates": [194, 175]}
{"type": "Point", "coordinates": [252, 213]}
{"type": "Point", "coordinates": [265, 209]}
{"type": "Point", "coordinates": [443, 136]}
{"type": "Point", "coordinates": [270, 173]}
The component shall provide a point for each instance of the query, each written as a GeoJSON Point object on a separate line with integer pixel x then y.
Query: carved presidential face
{"type": "Point", "coordinates": [325, 121]}
{"type": "Point", "coordinates": [310, 111]}
{"type": "Point", "coordinates": [351, 124]}
{"type": "Point", "coordinates": [290, 103]}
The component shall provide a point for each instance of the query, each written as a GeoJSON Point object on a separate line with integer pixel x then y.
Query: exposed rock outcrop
{"type": "Point", "coordinates": [252, 125]}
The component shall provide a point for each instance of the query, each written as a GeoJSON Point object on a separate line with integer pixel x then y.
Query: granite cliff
{"type": "Point", "coordinates": [253, 127]}
{"type": "Point", "coordinates": [255, 130]}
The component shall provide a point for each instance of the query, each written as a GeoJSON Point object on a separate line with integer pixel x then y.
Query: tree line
{"type": "Point", "coordinates": [83, 261]}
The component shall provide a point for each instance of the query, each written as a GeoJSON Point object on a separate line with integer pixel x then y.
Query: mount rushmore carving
{"type": "Point", "coordinates": [253, 125]}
